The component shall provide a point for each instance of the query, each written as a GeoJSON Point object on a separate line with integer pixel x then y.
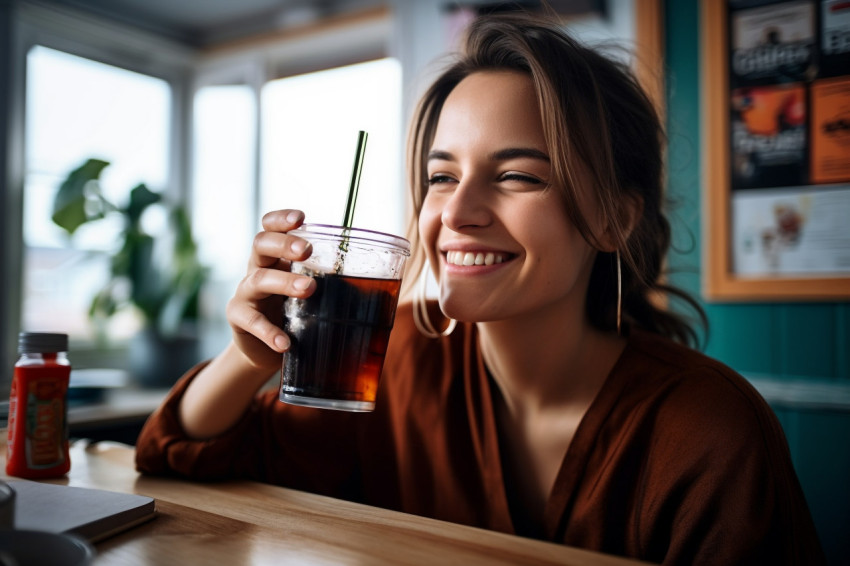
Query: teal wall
{"type": "Point", "coordinates": [794, 342]}
{"type": "Point", "coordinates": [784, 340]}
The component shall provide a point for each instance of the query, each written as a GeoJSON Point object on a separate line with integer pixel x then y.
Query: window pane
{"type": "Point", "coordinates": [309, 135]}
{"type": "Point", "coordinates": [223, 197]}
{"type": "Point", "coordinates": [77, 109]}
{"type": "Point", "coordinates": [223, 192]}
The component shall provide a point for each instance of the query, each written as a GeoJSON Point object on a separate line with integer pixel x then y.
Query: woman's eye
{"type": "Point", "coordinates": [521, 178]}
{"type": "Point", "coordinates": [439, 179]}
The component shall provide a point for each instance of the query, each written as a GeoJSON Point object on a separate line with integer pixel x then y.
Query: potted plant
{"type": "Point", "coordinates": [159, 275]}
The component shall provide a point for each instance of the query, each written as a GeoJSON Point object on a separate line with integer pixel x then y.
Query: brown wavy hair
{"type": "Point", "coordinates": [596, 114]}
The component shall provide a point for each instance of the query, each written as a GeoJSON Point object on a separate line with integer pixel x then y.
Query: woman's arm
{"type": "Point", "coordinates": [219, 395]}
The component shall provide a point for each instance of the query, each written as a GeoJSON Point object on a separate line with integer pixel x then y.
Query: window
{"type": "Point", "coordinates": [105, 112]}
{"type": "Point", "coordinates": [309, 135]}
{"type": "Point", "coordinates": [308, 128]}
{"type": "Point", "coordinates": [218, 128]}
{"type": "Point", "coordinates": [224, 178]}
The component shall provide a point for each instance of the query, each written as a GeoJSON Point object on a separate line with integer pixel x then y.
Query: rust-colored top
{"type": "Point", "coordinates": [677, 461]}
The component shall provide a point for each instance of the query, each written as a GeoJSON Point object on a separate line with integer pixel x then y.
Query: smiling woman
{"type": "Point", "coordinates": [490, 191]}
{"type": "Point", "coordinates": [566, 405]}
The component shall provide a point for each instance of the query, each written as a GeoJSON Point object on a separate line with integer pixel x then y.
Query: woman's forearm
{"type": "Point", "coordinates": [220, 394]}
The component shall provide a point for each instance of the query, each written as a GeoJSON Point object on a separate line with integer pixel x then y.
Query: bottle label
{"type": "Point", "coordinates": [13, 411]}
{"type": "Point", "coordinates": [46, 427]}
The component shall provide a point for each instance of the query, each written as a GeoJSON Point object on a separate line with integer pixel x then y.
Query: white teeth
{"type": "Point", "coordinates": [473, 258]}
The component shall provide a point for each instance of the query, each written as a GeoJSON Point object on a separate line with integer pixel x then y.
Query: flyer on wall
{"type": "Point", "coordinates": [791, 232]}
{"type": "Point", "coordinates": [835, 38]}
{"type": "Point", "coordinates": [773, 43]}
{"type": "Point", "coordinates": [769, 145]}
{"type": "Point", "coordinates": [830, 131]}
{"type": "Point", "coordinates": [789, 105]}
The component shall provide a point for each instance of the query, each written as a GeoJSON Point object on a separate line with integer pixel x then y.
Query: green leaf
{"type": "Point", "coordinates": [140, 198]}
{"type": "Point", "coordinates": [164, 287]}
{"type": "Point", "coordinates": [69, 206]}
{"type": "Point", "coordinates": [182, 298]}
{"type": "Point", "coordinates": [104, 304]}
{"type": "Point", "coordinates": [148, 291]}
{"type": "Point", "coordinates": [184, 244]}
{"type": "Point", "coordinates": [187, 276]}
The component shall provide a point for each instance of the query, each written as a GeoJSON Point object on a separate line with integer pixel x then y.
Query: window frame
{"type": "Point", "coordinates": [98, 40]}
{"type": "Point", "coordinates": [335, 42]}
{"type": "Point", "coordinates": [411, 32]}
{"type": "Point", "coordinates": [339, 41]}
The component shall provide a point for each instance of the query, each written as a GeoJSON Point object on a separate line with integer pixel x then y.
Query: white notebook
{"type": "Point", "coordinates": [93, 514]}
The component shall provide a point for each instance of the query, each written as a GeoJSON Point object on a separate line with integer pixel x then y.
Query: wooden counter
{"type": "Point", "coordinates": [242, 522]}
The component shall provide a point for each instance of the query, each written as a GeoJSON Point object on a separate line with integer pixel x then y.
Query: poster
{"type": "Point", "coordinates": [789, 137]}
{"type": "Point", "coordinates": [769, 146]}
{"type": "Point", "coordinates": [791, 233]}
{"type": "Point", "coordinates": [835, 38]}
{"type": "Point", "coordinates": [830, 131]}
{"type": "Point", "coordinates": [773, 43]}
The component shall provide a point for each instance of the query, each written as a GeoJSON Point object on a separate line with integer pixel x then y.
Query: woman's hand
{"type": "Point", "coordinates": [223, 390]}
{"type": "Point", "coordinates": [254, 312]}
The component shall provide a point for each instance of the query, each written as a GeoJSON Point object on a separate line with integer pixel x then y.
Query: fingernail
{"type": "Point", "coordinates": [293, 217]}
{"type": "Point", "coordinates": [301, 283]}
{"type": "Point", "coordinates": [281, 343]}
{"type": "Point", "coordinates": [299, 246]}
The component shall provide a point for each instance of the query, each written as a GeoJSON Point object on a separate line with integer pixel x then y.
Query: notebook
{"type": "Point", "coordinates": [93, 514]}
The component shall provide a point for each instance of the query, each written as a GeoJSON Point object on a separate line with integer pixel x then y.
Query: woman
{"type": "Point", "coordinates": [561, 407]}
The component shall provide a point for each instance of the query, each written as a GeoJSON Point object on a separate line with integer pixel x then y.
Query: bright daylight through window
{"type": "Point", "coordinates": [309, 136]}
{"type": "Point", "coordinates": [79, 109]}
{"type": "Point", "coordinates": [308, 131]}
{"type": "Point", "coordinates": [309, 126]}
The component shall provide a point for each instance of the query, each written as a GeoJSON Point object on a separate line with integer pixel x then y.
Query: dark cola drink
{"type": "Point", "coordinates": [339, 339]}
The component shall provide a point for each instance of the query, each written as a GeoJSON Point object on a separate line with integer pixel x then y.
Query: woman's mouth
{"type": "Point", "coordinates": [463, 258]}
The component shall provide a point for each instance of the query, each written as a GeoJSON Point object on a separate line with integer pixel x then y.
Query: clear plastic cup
{"type": "Point", "coordinates": [340, 333]}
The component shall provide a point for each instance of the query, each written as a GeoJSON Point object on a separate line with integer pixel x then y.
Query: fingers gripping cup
{"type": "Point", "coordinates": [339, 334]}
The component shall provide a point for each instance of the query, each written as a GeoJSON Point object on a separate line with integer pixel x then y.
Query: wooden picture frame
{"type": "Point", "coordinates": [720, 282]}
{"type": "Point", "coordinates": [649, 41]}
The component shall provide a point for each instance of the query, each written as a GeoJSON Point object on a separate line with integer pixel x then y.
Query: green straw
{"type": "Point", "coordinates": [355, 179]}
{"type": "Point", "coordinates": [353, 187]}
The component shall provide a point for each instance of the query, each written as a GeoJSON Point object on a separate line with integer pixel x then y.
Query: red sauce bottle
{"type": "Point", "coordinates": [38, 413]}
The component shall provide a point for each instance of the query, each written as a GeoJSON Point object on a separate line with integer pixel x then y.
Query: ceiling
{"type": "Point", "coordinates": [202, 23]}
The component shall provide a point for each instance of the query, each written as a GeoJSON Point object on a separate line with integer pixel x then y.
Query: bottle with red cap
{"type": "Point", "coordinates": [37, 445]}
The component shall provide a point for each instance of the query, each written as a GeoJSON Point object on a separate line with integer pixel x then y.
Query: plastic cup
{"type": "Point", "coordinates": [340, 333]}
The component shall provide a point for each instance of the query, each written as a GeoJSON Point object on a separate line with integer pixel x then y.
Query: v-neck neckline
{"type": "Point", "coordinates": [575, 459]}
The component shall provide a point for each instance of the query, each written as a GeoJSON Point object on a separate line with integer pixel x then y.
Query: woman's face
{"type": "Point", "coordinates": [495, 232]}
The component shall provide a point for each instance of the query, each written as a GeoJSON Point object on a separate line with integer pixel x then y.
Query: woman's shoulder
{"type": "Point", "coordinates": [658, 360]}
{"type": "Point", "coordinates": [709, 449]}
{"type": "Point", "coordinates": [661, 351]}
{"type": "Point", "coordinates": [689, 390]}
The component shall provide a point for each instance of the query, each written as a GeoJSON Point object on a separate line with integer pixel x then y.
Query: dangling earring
{"type": "Point", "coordinates": [420, 310]}
{"type": "Point", "coordinates": [619, 294]}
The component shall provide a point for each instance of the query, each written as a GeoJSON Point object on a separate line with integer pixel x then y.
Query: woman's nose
{"type": "Point", "coordinates": [467, 207]}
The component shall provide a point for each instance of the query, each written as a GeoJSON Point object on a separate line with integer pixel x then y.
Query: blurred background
{"type": "Point", "coordinates": [172, 126]}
